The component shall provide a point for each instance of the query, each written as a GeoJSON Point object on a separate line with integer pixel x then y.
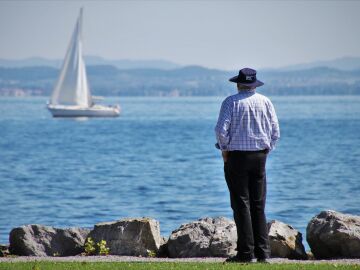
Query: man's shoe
{"type": "Point", "coordinates": [237, 259]}
{"type": "Point", "coordinates": [263, 260]}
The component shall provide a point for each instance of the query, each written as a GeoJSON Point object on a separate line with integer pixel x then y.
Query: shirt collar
{"type": "Point", "coordinates": [246, 92]}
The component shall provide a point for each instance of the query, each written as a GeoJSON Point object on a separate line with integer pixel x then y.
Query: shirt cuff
{"type": "Point", "coordinates": [221, 147]}
{"type": "Point", "coordinates": [273, 145]}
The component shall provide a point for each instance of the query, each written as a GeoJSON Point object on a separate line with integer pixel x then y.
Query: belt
{"type": "Point", "coordinates": [248, 152]}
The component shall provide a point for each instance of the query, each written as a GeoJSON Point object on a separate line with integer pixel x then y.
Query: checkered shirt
{"type": "Point", "coordinates": [247, 122]}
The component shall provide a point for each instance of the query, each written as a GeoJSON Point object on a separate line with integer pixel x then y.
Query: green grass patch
{"type": "Point", "coordinates": [166, 266]}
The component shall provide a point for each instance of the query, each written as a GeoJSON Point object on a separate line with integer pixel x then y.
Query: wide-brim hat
{"type": "Point", "coordinates": [247, 77]}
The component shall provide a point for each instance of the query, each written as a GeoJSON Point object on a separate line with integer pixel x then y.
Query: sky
{"type": "Point", "coordinates": [215, 34]}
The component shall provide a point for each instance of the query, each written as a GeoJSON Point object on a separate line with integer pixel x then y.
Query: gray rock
{"type": "Point", "coordinates": [207, 237]}
{"type": "Point", "coordinates": [39, 240]}
{"type": "Point", "coordinates": [131, 236]}
{"type": "Point", "coordinates": [310, 255]}
{"type": "Point", "coordinates": [4, 250]}
{"type": "Point", "coordinates": [332, 234]}
{"type": "Point", "coordinates": [163, 250]}
{"type": "Point", "coordinates": [285, 241]}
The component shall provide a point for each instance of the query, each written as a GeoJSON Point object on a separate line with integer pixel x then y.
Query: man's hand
{"type": "Point", "coordinates": [225, 155]}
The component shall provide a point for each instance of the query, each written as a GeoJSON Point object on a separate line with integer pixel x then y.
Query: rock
{"type": "Point", "coordinates": [310, 255]}
{"type": "Point", "coordinates": [285, 241]}
{"type": "Point", "coordinates": [207, 237]}
{"type": "Point", "coordinates": [4, 250]}
{"type": "Point", "coordinates": [332, 234]}
{"type": "Point", "coordinates": [131, 236]}
{"type": "Point", "coordinates": [39, 240]}
{"type": "Point", "coordinates": [163, 250]}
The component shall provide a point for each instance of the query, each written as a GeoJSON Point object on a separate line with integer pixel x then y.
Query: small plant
{"type": "Point", "coordinates": [35, 267]}
{"type": "Point", "coordinates": [151, 253]}
{"type": "Point", "coordinates": [56, 254]}
{"type": "Point", "coordinates": [90, 248]}
{"type": "Point", "coordinates": [102, 249]}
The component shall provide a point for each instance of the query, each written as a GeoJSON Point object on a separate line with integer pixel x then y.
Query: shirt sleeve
{"type": "Point", "coordinates": [222, 129]}
{"type": "Point", "coordinates": [275, 129]}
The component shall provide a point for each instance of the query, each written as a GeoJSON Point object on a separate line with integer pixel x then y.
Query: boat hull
{"type": "Point", "coordinates": [95, 111]}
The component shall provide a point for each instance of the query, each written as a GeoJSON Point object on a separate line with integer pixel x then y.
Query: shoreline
{"type": "Point", "coordinates": [209, 238]}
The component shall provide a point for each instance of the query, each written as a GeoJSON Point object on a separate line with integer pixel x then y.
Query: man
{"type": "Point", "coordinates": [246, 131]}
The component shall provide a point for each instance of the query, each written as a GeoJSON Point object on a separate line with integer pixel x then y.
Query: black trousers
{"type": "Point", "coordinates": [246, 179]}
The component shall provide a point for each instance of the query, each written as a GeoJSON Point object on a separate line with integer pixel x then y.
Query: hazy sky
{"type": "Point", "coordinates": [219, 34]}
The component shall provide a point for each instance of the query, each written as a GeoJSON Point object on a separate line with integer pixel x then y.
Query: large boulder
{"type": "Point", "coordinates": [332, 234]}
{"type": "Point", "coordinates": [130, 236]}
{"type": "Point", "coordinates": [39, 240]}
{"type": "Point", "coordinates": [207, 237]}
{"type": "Point", "coordinates": [285, 241]}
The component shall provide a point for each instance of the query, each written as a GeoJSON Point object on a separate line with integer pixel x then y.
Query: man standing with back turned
{"type": "Point", "coordinates": [246, 131]}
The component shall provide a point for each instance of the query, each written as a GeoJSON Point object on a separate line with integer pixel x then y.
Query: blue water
{"type": "Point", "coordinates": [158, 160]}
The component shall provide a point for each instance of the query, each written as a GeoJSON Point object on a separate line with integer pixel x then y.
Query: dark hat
{"type": "Point", "coordinates": [247, 77]}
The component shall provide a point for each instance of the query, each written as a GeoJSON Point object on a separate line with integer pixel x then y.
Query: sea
{"type": "Point", "coordinates": [158, 160]}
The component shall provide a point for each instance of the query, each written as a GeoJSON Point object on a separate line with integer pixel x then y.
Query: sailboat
{"type": "Point", "coordinates": [71, 96]}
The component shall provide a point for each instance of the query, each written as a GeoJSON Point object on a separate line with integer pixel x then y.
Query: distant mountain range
{"type": "Point", "coordinates": [344, 63]}
{"type": "Point", "coordinates": [91, 61]}
{"type": "Point", "coordinates": [162, 78]}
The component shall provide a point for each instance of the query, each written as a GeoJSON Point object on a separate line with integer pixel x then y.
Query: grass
{"type": "Point", "coordinates": [165, 266]}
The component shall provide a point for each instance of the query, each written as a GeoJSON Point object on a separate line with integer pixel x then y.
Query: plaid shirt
{"type": "Point", "coordinates": [247, 122]}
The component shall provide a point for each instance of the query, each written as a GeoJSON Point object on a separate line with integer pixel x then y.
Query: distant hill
{"type": "Point", "coordinates": [107, 80]}
{"type": "Point", "coordinates": [90, 60]}
{"type": "Point", "coordinates": [29, 62]}
{"type": "Point", "coordinates": [344, 63]}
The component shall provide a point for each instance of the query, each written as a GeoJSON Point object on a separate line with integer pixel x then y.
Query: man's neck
{"type": "Point", "coordinates": [246, 90]}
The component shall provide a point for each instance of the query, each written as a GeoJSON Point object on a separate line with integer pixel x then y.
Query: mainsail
{"type": "Point", "coordinates": [72, 86]}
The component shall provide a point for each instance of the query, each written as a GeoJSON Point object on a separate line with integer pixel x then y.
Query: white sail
{"type": "Point", "coordinates": [71, 96]}
{"type": "Point", "coordinates": [72, 86]}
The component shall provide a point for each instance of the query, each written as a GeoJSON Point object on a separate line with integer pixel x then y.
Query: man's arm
{"type": "Point", "coordinates": [222, 128]}
{"type": "Point", "coordinates": [275, 129]}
